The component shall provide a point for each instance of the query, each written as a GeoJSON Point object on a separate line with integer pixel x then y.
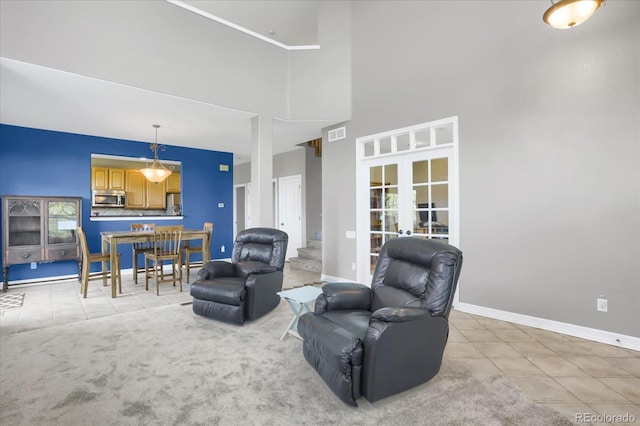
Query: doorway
{"type": "Point", "coordinates": [289, 202]}
{"type": "Point", "coordinates": [240, 208]}
{"type": "Point", "coordinates": [407, 186]}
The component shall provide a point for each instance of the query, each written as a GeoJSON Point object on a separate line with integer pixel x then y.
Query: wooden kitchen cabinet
{"type": "Point", "coordinates": [142, 194]}
{"type": "Point", "coordinates": [117, 179]}
{"type": "Point", "coordinates": [173, 183]}
{"type": "Point", "coordinates": [99, 178]}
{"type": "Point", "coordinates": [103, 178]}
{"type": "Point", "coordinates": [39, 229]}
{"type": "Point", "coordinates": [156, 195]}
{"type": "Point", "coordinates": [136, 190]}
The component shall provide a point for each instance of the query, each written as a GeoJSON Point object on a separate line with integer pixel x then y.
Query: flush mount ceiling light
{"type": "Point", "coordinates": [156, 172]}
{"type": "Point", "coordinates": [570, 13]}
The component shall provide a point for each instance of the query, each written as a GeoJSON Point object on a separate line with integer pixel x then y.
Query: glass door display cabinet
{"type": "Point", "coordinates": [39, 229]}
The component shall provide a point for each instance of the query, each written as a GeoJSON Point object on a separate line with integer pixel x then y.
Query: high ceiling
{"type": "Point", "coordinates": [40, 97]}
{"type": "Point", "coordinates": [290, 22]}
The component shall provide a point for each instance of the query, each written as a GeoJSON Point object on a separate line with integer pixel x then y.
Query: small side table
{"type": "Point", "coordinates": [298, 299]}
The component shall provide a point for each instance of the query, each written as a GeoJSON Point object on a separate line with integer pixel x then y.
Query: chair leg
{"type": "Point", "coordinates": [173, 272]}
{"type": "Point", "coordinates": [85, 278]}
{"type": "Point", "coordinates": [187, 264]}
{"type": "Point", "coordinates": [135, 267]}
{"type": "Point", "coordinates": [82, 277]}
{"type": "Point", "coordinates": [146, 273]}
{"type": "Point", "coordinates": [180, 274]}
{"type": "Point", "coordinates": [117, 271]}
{"type": "Point", "coordinates": [155, 264]}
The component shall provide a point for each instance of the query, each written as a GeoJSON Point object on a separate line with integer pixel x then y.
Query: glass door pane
{"type": "Point", "coordinates": [24, 222]}
{"type": "Point", "coordinates": [430, 207]}
{"type": "Point", "coordinates": [62, 222]}
{"type": "Point", "coordinates": [383, 208]}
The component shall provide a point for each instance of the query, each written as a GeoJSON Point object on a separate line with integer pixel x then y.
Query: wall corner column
{"type": "Point", "coordinates": [261, 195]}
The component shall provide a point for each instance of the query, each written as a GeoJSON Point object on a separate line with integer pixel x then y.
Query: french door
{"type": "Point", "coordinates": [406, 192]}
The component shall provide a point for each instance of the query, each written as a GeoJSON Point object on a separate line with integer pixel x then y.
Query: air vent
{"type": "Point", "coordinates": [337, 134]}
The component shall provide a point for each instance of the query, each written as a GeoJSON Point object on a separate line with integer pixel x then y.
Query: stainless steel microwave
{"type": "Point", "coordinates": [108, 198]}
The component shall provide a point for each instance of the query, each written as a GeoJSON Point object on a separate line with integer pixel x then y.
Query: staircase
{"type": "Point", "coordinates": [309, 257]}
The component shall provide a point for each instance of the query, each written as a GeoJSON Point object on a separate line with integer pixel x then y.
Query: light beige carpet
{"type": "Point", "coordinates": [167, 366]}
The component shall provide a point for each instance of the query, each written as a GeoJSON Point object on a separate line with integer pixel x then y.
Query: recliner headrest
{"type": "Point", "coordinates": [266, 245]}
{"type": "Point", "coordinates": [424, 270]}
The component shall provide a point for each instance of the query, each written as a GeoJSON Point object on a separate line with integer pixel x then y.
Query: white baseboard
{"type": "Point", "coordinates": [73, 277]}
{"type": "Point", "coordinates": [608, 337]}
{"type": "Point", "coordinates": [602, 336]}
{"type": "Point", "coordinates": [40, 281]}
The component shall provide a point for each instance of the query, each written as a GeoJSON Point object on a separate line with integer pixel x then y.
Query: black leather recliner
{"type": "Point", "coordinates": [381, 340]}
{"type": "Point", "coordinates": [246, 288]}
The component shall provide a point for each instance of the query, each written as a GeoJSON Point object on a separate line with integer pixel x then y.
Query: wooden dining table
{"type": "Point", "coordinates": [111, 239]}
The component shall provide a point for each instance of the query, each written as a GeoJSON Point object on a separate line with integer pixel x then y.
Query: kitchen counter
{"type": "Point", "coordinates": [133, 218]}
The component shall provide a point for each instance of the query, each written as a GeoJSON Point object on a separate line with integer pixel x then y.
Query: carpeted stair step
{"type": "Point", "coordinates": [317, 244]}
{"type": "Point", "coordinates": [305, 264]}
{"type": "Point", "coordinates": [310, 253]}
{"type": "Point", "coordinates": [309, 257]}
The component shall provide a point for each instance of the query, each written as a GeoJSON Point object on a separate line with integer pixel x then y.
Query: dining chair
{"type": "Point", "coordinates": [142, 247]}
{"type": "Point", "coordinates": [188, 250]}
{"type": "Point", "coordinates": [88, 259]}
{"type": "Point", "coordinates": [166, 247]}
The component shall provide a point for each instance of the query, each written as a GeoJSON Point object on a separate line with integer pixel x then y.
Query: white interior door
{"type": "Point", "coordinates": [275, 203]}
{"type": "Point", "coordinates": [247, 206]}
{"type": "Point", "coordinates": [239, 209]}
{"type": "Point", "coordinates": [290, 211]}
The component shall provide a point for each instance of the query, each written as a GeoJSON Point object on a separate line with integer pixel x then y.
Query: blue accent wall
{"type": "Point", "coordinates": [43, 162]}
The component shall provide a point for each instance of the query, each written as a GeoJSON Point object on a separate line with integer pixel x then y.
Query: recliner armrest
{"type": "Point", "coordinates": [387, 370]}
{"type": "Point", "coordinates": [214, 269]}
{"type": "Point", "coordinates": [344, 296]}
{"type": "Point", "coordinates": [399, 314]}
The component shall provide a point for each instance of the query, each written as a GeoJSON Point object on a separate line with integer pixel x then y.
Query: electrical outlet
{"type": "Point", "coordinates": [353, 266]}
{"type": "Point", "coordinates": [222, 249]}
{"type": "Point", "coordinates": [602, 304]}
{"type": "Point", "coordinates": [34, 265]}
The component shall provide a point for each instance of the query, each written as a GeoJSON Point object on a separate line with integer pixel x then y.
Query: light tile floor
{"type": "Point", "coordinates": [569, 374]}
{"type": "Point", "coordinates": [60, 302]}
{"type": "Point", "coordinates": [572, 375]}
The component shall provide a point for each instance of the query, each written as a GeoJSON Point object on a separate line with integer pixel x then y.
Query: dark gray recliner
{"type": "Point", "coordinates": [381, 340]}
{"type": "Point", "coordinates": [246, 288]}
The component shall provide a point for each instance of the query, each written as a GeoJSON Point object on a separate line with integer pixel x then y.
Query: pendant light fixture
{"type": "Point", "coordinates": [156, 172]}
{"type": "Point", "coordinates": [570, 13]}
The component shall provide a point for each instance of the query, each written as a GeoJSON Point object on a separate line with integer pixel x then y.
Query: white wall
{"type": "Point", "coordinates": [549, 147]}
{"type": "Point", "coordinates": [313, 190]}
{"type": "Point", "coordinates": [320, 80]}
{"type": "Point", "coordinates": [286, 164]}
{"type": "Point", "coordinates": [149, 44]}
